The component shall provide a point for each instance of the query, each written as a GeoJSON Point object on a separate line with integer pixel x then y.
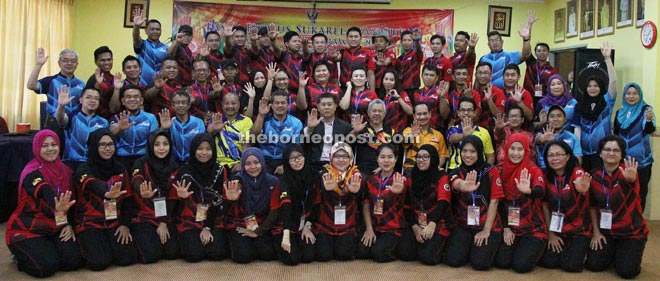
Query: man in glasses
{"type": "Point", "coordinates": [467, 113]}
{"type": "Point", "coordinates": [421, 133]}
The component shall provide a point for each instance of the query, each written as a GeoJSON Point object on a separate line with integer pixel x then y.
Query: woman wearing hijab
{"type": "Point", "coordinates": [104, 205]}
{"type": "Point", "coordinates": [387, 234]}
{"type": "Point", "coordinates": [525, 232]}
{"type": "Point", "coordinates": [559, 94]}
{"type": "Point", "coordinates": [634, 123]}
{"type": "Point", "coordinates": [620, 230]}
{"type": "Point", "coordinates": [593, 112]}
{"type": "Point", "coordinates": [429, 199]}
{"type": "Point", "coordinates": [198, 192]}
{"type": "Point", "coordinates": [254, 92]}
{"type": "Point", "coordinates": [334, 214]}
{"type": "Point", "coordinates": [296, 244]}
{"type": "Point", "coordinates": [38, 232]}
{"type": "Point", "coordinates": [566, 209]}
{"type": "Point", "coordinates": [153, 226]}
{"type": "Point", "coordinates": [251, 217]}
{"type": "Point", "coordinates": [477, 193]}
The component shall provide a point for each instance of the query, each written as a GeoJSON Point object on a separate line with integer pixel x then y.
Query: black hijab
{"type": "Point", "coordinates": [203, 173]}
{"type": "Point", "coordinates": [425, 182]}
{"type": "Point", "coordinates": [259, 93]}
{"type": "Point", "coordinates": [160, 170]}
{"type": "Point", "coordinates": [296, 183]}
{"type": "Point", "coordinates": [590, 107]}
{"type": "Point", "coordinates": [101, 168]}
{"type": "Point", "coordinates": [481, 159]}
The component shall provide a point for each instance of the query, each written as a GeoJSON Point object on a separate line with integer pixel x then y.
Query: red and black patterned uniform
{"type": "Point", "coordinates": [574, 205]}
{"type": "Point", "coordinates": [366, 153]}
{"type": "Point", "coordinates": [489, 189]}
{"type": "Point", "coordinates": [462, 58]}
{"type": "Point", "coordinates": [359, 103]}
{"type": "Point", "coordinates": [145, 206]}
{"type": "Point", "coordinates": [90, 211]}
{"type": "Point", "coordinates": [380, 69]}
{"type": "Point", "coordinates": [430, 97]}
{"type": "Point", "coordinates": [241, 56]}
{"type": "Point", "coordinates": [261, 59]}
{"type": "Point", "coordinates": [443, 64]}
{"type": "Point", "coordinates": [395, 117]}
{"type": "Point", "coordinates": [393, 219]}
{"type": "Point", "coordinates": [215, 59]}
{"type": "Point", "coordinates": [313, 91]}
{"type": "Point", "coordinates": [486, 117]}
{"type": "Point", "coordinates": [292, 64]}
{"type": "Point", "coordinates": [106, 89]}
{"type": "Point", "coordinates": [352, 58]}
{"type": "Point", "coordinates": [184, 57]}
{"type": "Point", "coordinates": [532, 221]}
{"type": "Point", "coordinates": [234, 217]}
{"type": "Point", "coordinates": [537, 69]}
{"type": "Point", "coordinates": [430, 205]}
{"type": "Point", "coordinates": [313, 59]}
{"type": "Point", "coordinates": [409, 66]}
{"type": "Point", "coordinates": [202, 103]}
{"type": "Point", "coordinates": [164, 98]}
{"type": "Point", "coordinates": [216, 105]}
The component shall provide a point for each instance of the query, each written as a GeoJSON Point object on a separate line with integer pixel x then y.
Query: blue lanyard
{"type": "Point", "coordinates": [426, 94]}
{"type": "Point", "coordinates": [607, 193]}
{"type": "Point", "coordinates": [158, 188]}
{"type": "Point", "coordinates": [381, 183]}
{"type": "Point", "coordinates": [357, 101]}
{"type": "Point", "coordinates": [474, 193]}
{"type": "Point", "coordinates": [559, 193]}
{"type": "Point", "coordinates": [204, 97]}
{"type": "Point", "coordinates": [201, 194]}
{"type": "Point", "coordinates": [538, 73]}
{"type": "Point", "coordinates": [58, 189]}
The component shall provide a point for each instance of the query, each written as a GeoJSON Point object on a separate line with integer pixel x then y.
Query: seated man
{"type": "Point", "coordinates": [421, 133]}
{"type": "Point", "coordinates": [467, 112]}
{"type": "Point", "coordinates": [555, 130]}
{"type": "Point", "coordinates": [277, 129]}
{"type": "Point", "coordinates": [78, 125]}
{"type": "Point", "coordinates": [132, 126]}
{"type": "Point", "coordinates": [183, 127]}
{"type": "Point", "coordinates": [230, 130]}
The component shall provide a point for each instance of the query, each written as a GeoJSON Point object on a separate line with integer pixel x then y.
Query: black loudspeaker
{"type": "Point", "coordinates": [588, 62]}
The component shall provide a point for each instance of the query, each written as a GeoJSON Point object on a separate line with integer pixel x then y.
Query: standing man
{"type": "Point", "coordinates": [236, 51]}
{"type": "Point", "coordinates": [321, 53]}
{"type": "Point", "coordinates": [464, 46]}
{"type": "Point", "coordinates": [538, 71]}
{"type": "Point", "coordinates": [382, 59]}
{"type": "Point", "coordinates": [410, 62]}
{"type": "Point", "coordinates": [440, 61]}
{"type": "Point", "coordinates": [165, 84]}
{"type": "Point", "coordinates": [210, 51]}
{"type": "Point", "coordinates": [290, 59]}
{"type": "Point", "coordinates": [103, 80]}
{"type": "Point", "coordinates": [354, 56]}
{"type": "Point", "coordinates": [180, 50]}
{"type": "Point", "coordinates": [515, 94]}
{"type": "Point", "coordinates": [131, 68]}
{"type": "Point", "coordinates": [151, 52]}
{"type": "Point", "coordinates": [499, 58]}
{"type": "Point", "coordinates": [493, 100]}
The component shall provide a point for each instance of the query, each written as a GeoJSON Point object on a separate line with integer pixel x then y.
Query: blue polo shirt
{"type": "Point", "coordinates": [49, 86]}
{"type": "Point", "coordinates": [133, 141]}
{"type": "Point", "coordinates": [499, 61]}
{"type": "Point", "coordinates": [182, 134]}
{"type": "Point", "coordinates": [76, 133]}
{"type": "Point", "coordinates": [278, 134]}
{"type": "Point", "coordinates": [569, 109]}
{"type": "Point", "coordinates": [151, 55]}
{"type": "Point", "coordinates": [565, 136]}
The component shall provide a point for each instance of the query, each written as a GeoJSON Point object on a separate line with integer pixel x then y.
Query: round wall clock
{"type": "Point", "coordinates": [648, 34]}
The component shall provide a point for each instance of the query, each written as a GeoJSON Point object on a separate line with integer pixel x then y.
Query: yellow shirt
{"type": "Point", "coordinates": [484, 136]}
{"type": "Point", "coordinates": [229, 141]}
{"type": "Point", "coordinates": [432, 137]}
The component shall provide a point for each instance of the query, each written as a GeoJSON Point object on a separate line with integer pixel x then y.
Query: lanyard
{"type": "Point", "coordinates": [474, 193]}
{"type": "Point", "coordinates": [201, 195]}
{"type": "Point", "coordinates": [426, 94]}
{"type": "Point", "coordinates": [538, 73]}
{"type": "Point", "coordinates": [158, 188]}
{"type": "Point", "coordinates": [204, 96]}
{"type": "Point", "coordinates": [559, 193]}
{"type": "Point", "coordinates": [381, 183]}
{"type": "Point", "coordinates": [607, 193]}
{"type": "Point", "coordinates": [357, 101]}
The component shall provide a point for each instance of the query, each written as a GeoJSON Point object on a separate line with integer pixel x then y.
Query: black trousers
{"type": "Point", "coordinates": [387, 247]}
{"type": "Point", "coordinates": [300, 250]}
{"type": "Point", "coordinates": [522, 256]}
{"type": "Point", "coordinates": [192, 249]}
{"type": "Point", "coordinates": [340, 247]}
{"type": "Point", "coordinates": [246, 249]}
{"type": "Point", "coordinates": [624, 254]}
{"type": "Point", "coordinates": [100, 248]}
{"type": "Point", "coordinates": [572, 256]}
{"type": "Point", "coordinates": [644, 175]}
{"type": "Point", "coordinates": [461, 248]}
{"type": "Point", "coordinates": [149, 246]}
{"type": "Point", "coordinates": [43, 256]}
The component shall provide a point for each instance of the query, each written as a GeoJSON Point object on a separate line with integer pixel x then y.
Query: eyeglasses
{"type": "Point", "coordinates": [423, 157]}
{"type": "Point", "coordinates": [92, 98]}
{"type": "Point", "coordinates": [300, 158]}
{"type": "Point", "coordinates": [556, 155]}
{"type": "Point", "coordinates": [106, 145]}
{"type": "Point", "coordinates": [341, 157]}
{"type": "Point", "coordinates": [612, 150]}
{"type": "Point", "coordinates": [483, 73]}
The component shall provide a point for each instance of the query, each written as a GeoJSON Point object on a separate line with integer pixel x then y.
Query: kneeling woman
{"type": "Point", "coordinates": [334, 216]}
{"type": "Point", "coordinates": [296, 244]}
{"type": "Point", "coordinates": [429, 199]}
{"type": "Point", "coordinates": [104, 205]}
{"type": "Point", "coordinates": [38, 232]}
{"type": "Point", "coordinates": [525, 232]}
{"type": "Point", "coordinates": [477, 194]}
{"type": "Point", "coordinates": [566, 209]}
{"type": "Point", "coordinates": [251, 216]}
{"type": "Point", "coordinates": [387, 234]}
{"type": "Point", "coordinates": [620, 230]}
{"type": "Point", "coordinates": [199, 190]}
{"type": "Point", "coordinates": [153, 226]}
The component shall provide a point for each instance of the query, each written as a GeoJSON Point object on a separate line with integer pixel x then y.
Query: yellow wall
{"type": "Point", "coordinates": [99, 23]}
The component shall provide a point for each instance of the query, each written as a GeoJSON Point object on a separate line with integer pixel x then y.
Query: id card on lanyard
{"type": "Point", "coordinates": [606, 213]}
{"type": "Point", "coordinates": [160, 207]}
{"type": "Point", "coordinates": [110, 207]}
{"type": "Point", "coordinates": [557, 218]}
{"type": "Point", "coordinates": [379, 202]}
{"type": "Point", "coordinates": [474, 211]}
{"type": "Point", "coordinates": [340, 211]}
{"type": "Point", "coordinates": [513, 213]}
{"type": "Point", "coordinates": [202, 209]}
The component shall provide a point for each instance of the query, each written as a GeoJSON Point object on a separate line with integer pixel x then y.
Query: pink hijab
{"type": "Point", "coordinates": [55, 173]}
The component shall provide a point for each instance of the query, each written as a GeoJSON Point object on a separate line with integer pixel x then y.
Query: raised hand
{"type": "Point", "coordinates": [63, 96]}
{"type": "Point", "coordinates": [124, 122]}
{"type": "Point", "coordinates": [216, 122]}
{"type": "Point", "coordinates": [474, 38]}
{"type": "Point", "coordinates": [582, 183]}
{"type": "Point", "coordinates": [264, 107]}
{"type": "Point", "coordinates": [531, 17]}
{"type": "Point", "coordinates": [648, 114]}
{"type": "Point", "coordinates": [470, 183]}
{"type": "Point", "coordinates": [179, 37]}
{"type": "Point", "coordinates": [146, 191]}
{"type": "Point", "coordinates": [228, 28]}
{"type": "Point", "coordinates": [64, 202]}
{"type": "Point", "coordinates": [606, 50]}
{"type": "Point", "coordinates": [329, 182]}
{"type": "Point", "coordinates": [253, 33]}
{"type": "Point", "coordinates": [138, 19]}
{"type": "Point", "coordinates": [524, 184]}
{"type": "Point", "coordinates": [548, 133]}
{"type": "Point", "coordinates": [416, 34]}
{"type": "Point", "coordinates": [118, 83]}
{"type": "Point", "coordinates": [543, 116]}
{"type": "Point", "coordinates": [354, 183]}
{"type": "Point", "coordinates": [499, 121]}
{"type": "Point", "coordinates": [115, 191]}
{"type": "Point", "coordinates": [488, 92]}
{"type": "Point", "coordinates": [468, 126]}
{"type": "Point", "coordinates": [303, 79]}
{"type": "Point", "coordinates": [313, 119]}
{"type": "Point", "coordinates": [41, 57]}
{"type": "Point", "coordinates": [630, 172]}
{"type": "Point", "coordinates": [517, 94]}
{"type": "Point", "coordinates": [232, 190]}
{"type": "Point", "coordinates": [394, 94]}
{"type": "Point", "coordinates": [381, 59]}
{"type": "Point", "coordinates": [249, 90]}
{"type": "Point", "coordinates": [204, 51]}
{"type": "Point", "coordinates": [358, 123]}
{"type": "Point", "coordinates": [334, 53]}
{"type": "Point", "coordinates": [397, 184]}
{"type": "Point", "coordinates": [442, 88]}
{"type": "Point", "coordinates": [165, 119]}
{"type": "Point", "coordinates": [524, 31]}
{"type": "Point", "coordinates": [272, 70]}
{"type": "Point", "coordinates": [182, 189]}
{"type": "Point", "coordinates": [216, 84]}
{"type": "Point", "coordinates": [272, 31]}
{"type": "Point", "coordinates": [349, 85]}
{"type": "Point", "coordinates": [98, 76]}
{"type": "Point", "coordinates": [416, 128]}
{"type": "Point", "coordinates": [159, 81]}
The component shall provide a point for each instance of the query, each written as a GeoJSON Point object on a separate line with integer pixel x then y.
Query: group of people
{"type": "Point", "coordinates": [298, 151]}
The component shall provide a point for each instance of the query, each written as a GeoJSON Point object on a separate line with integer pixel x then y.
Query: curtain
{"type": "Point", "coordinates": [26, 26]}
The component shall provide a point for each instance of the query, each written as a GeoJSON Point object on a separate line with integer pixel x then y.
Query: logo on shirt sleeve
{"type": "Point", "coordinates": [36, 181]}
{"type": "Point", "coordinates": [447, 187]}
{"type": "Point", "coordinates": [136, 171]}
{"type": "Point", "coordinates": [499, 182]}
{"type": "Point", "coordinates": [283, 195]}
{"type": "Point", "coordinates": [83, 177]}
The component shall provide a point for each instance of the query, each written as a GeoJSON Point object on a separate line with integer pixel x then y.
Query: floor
{"type": "Point", "coordinates": [352, 270]}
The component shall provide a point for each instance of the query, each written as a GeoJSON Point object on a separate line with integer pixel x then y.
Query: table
{"type": "Point", "coordinates": [15, 153]}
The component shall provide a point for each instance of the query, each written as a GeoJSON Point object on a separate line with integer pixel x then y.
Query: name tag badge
{"type": "Point", "coordinates": [60, 218]}
{"type": "Point", "coordinates": [422, 219]}
{"type": "Point", "coordinates": [605, 219]}
{"type": "Point", "coordinates": [378, 206]}
{"type": "Point", "coordinates": [340, 215]}
{"type": "Point", "coordinates": [160, 207]}
{"type": "Point", "coordinates": [251, 222]}
{"type": "Point", "coordinates": [110, 209]}
{"type": "Point", "coordinates": [514, 216]}
{"type": "Point", "coordinates": [202, 210]}
{"type": "Point", "coordinates": [557, 222]}
{"type": "Point", "coordinates": [473, 215]}
{"type": "Point", "coordinates": [538, 90]}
